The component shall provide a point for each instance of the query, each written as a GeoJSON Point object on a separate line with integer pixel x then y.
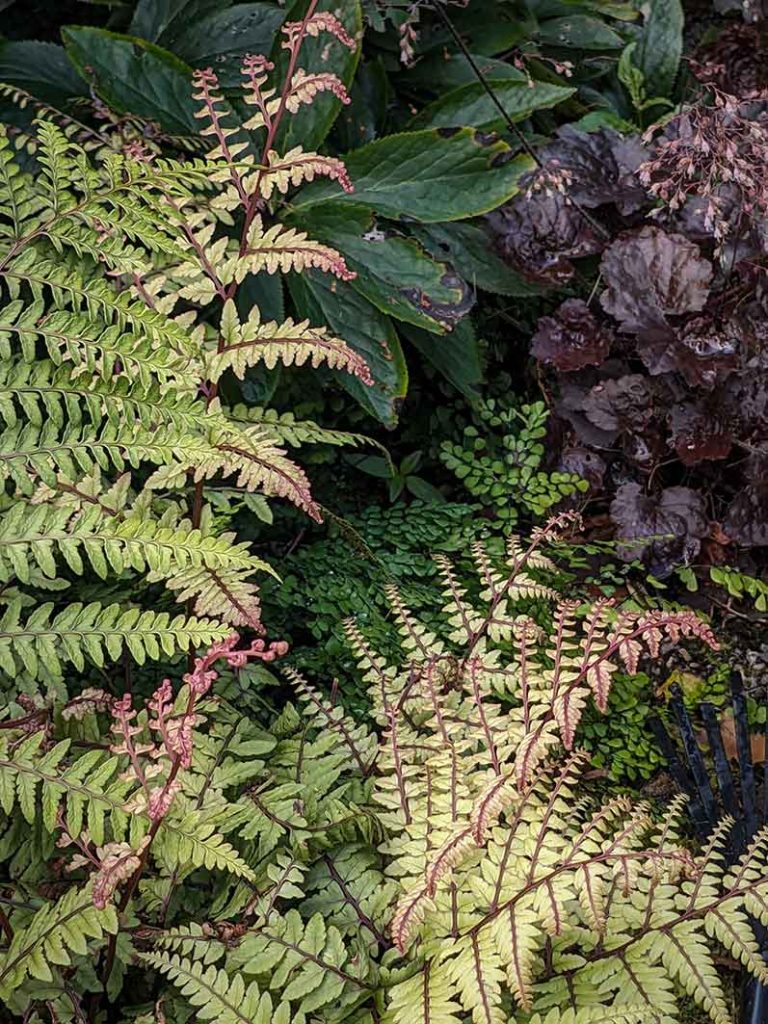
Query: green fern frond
{"type": "Point", "coordinates": [69, 927]}
{"type": "Point", "coordinates": [289, 343]}
{"type": "Point", "coordinates": [85, 790]}
{"type": "Point", "coordinates": [216, 996]}
{"type": "Point", "coordinates": [42, 642]}
{"type": "Point", "coordinates": [292, 432]}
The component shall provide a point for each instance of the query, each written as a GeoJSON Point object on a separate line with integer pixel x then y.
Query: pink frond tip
{"type": "Point", "coordinates": [323, 21]}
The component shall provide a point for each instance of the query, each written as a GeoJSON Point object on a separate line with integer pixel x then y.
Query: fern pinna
{"type": "Point", "coordinates": [447, 862]}
{"type": "Point", "coordinates": [122, 309]}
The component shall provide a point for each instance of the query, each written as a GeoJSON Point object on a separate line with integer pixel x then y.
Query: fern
{"type": "Point", "coordinates": [215, 995]}
{"type": "Point", "coordinates": [98, 374]}
{"type": "Point", "coordinates": [445, 861]}
{"type": "Point", "coordinates": [56, 933]}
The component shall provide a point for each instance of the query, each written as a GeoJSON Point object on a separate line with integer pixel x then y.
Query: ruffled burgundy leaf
{"type": "Point", "coordinates": [747, 518]}
{"type": "Point", "coordinates": [572, 338]}
{"type": "Point", "coordinates": [624, 405]}
{"type": "Point", "coordinates": [698, 433]}
{"type": "Point", "coordinates": [598, 167]}
{"type": "Point", "coordinates": [704, 352]}
{"type": "Point", "coordinates": [650, 276]}
{"type": "Point", "coordinates": [664, 530]}
{"type": "Point", "coordinates": [541, 234]}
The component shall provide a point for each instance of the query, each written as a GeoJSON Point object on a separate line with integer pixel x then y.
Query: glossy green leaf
{"type": "Point", "coordinates": [134, 76]}
{"type": "Point", "coordinates": [42, 69]}
{"type": "Point", "coordinates": [311, 123]}
{"type": "Point", "coordinates": [162, 21]}
{"type": "Point", "coordinates": [471, 106]}
{"type": "Point", "coordinates": [661, 46]}
{"type": "Point", "coordinates": [442, 71]}
{"type": "Point", "coordinates": [324, 300]}
{"type": "Point", "coordinates": [393, 272]}
{"type": "Point", "coordinates": [455, 355]}
{"type": "Point", "coordinates": [222, 39]}
{"type": "Point", "coordinates": [432, 175]}
{"type": "Point", "coordinates": [469, 247]}
{"type": "Point", "coordinates": [363, 120]}
{"type": "Point", "coordinates": [579, 32]}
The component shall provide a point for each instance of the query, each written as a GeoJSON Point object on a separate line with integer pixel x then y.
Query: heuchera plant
{"type": "Point", "coordinates": [662, 369]}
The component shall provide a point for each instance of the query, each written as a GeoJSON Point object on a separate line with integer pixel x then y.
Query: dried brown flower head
{"type": "Point", "coordinates": [716, 152]}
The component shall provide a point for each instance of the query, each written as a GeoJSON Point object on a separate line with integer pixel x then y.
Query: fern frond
{"type": "Point", "coordinates": [59, 931]}
{"type": "Point", "coordinates": [29, 452]}
{"type": "Point", "coordinates": [89, 345]}
{"type": "Point", "coordinates": [71, 288]}
{"type": "Point", "coordinates": [85, 789]}
{"type": "Point", "coordinates": [189, 840]}
{"type": "Point", "coordinates": [198, 566]}
{"type": "Point", "coordinates": [42, 642]}
{"type": "Point", "coordinates": [292, 432]}
{"type": "Point", "coordinates": [280, 248]}
{"type": "Point", "coordinates": [297, 167]}
{"type": "Point", "coordinates": [213, 994]}
{"type": "Point", "coordinates": [271, 343]}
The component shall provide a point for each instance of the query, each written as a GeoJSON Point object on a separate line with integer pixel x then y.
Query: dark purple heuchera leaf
{"type": "Point", "coordinates": [704, 352]}
{"type": "Point", "coordinates": [745, 400]}
{"type": "Point", "coordinates": [540, 234]}
{"type": "Point", "coordinates": [652, 275]}
{"type": "Point", "coordinates": [602, 405]}
{"type": "Point", "coordinates": [599, 167]}
{"type": "Point", "coordinates": [698, 433]}
{"type": "Point", "coordinates": [570, 406]}
{"type": "Point", "coordinates": [572, 338]}
{"type": "Point", "coordinates": [624, 405]}
{"type": "Point", "coordinates": [747, 519]}
{"type": "Point", "coordinates": [664, 530]}
{"type": "Point", "coordinates": [630, 407]}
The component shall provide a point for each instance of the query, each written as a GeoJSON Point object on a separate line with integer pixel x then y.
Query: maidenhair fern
{"type": "Point", "coordinates": [448, 862]}
{"type": "Point", "coordinates": [121, 312]}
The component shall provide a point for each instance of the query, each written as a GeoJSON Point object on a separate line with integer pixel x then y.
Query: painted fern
{"type": "Point", "coordinates": [101, 376]}
{"type": "Point", "coordinates": [446, 861]}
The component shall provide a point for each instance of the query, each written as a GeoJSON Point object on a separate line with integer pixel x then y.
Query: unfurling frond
{"type": "Point", "coordinates": [320, 21]}
{"type": "Point", "coordinates": [306, 86]}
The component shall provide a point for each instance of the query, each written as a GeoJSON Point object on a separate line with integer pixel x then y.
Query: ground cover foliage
{"type": "Point", "coordinates": [383, 437]}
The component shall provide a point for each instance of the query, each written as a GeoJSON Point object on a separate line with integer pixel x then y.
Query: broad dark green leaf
{"type": "Point", "coordinates": [624, 10]}
{"type": "Point", "coordinates": [579, 32]}
{"type": "Point", "coordinates": [311, 123]}
{"type": "Point", "coordinates": [162, 21]}
{"type": "Point", "coordinates": [42, 69]}
{"type": "Point", "coordinates": [264, 291]}
{"type": "Point", "coordinates": [487, 27]}
{"type": "Point", "coordinates": [134, 76]}
{"type": "Point", "coordinates": [323, 300]}
{"type": "Point", "coordinates": [469, 247]}
{"type": "Point", "coordinates": [455, 355]}
{"type": "Point", "coordinates": [393, 272]}
{"type": "Point", "coordinates": [222, 39]}
{"type": "Point", "coordinates": [442, 71]}
{"type": "Point", "coordinates": [424, 490]}
{"type": "Point", "coordinates": [432, 175]}
{"type": "Point", "coordinates": [661, 46]}
{"type": "Point", "coordinates": [363, 120]}
{"type": "Point", "coordinates": [471, 106]}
